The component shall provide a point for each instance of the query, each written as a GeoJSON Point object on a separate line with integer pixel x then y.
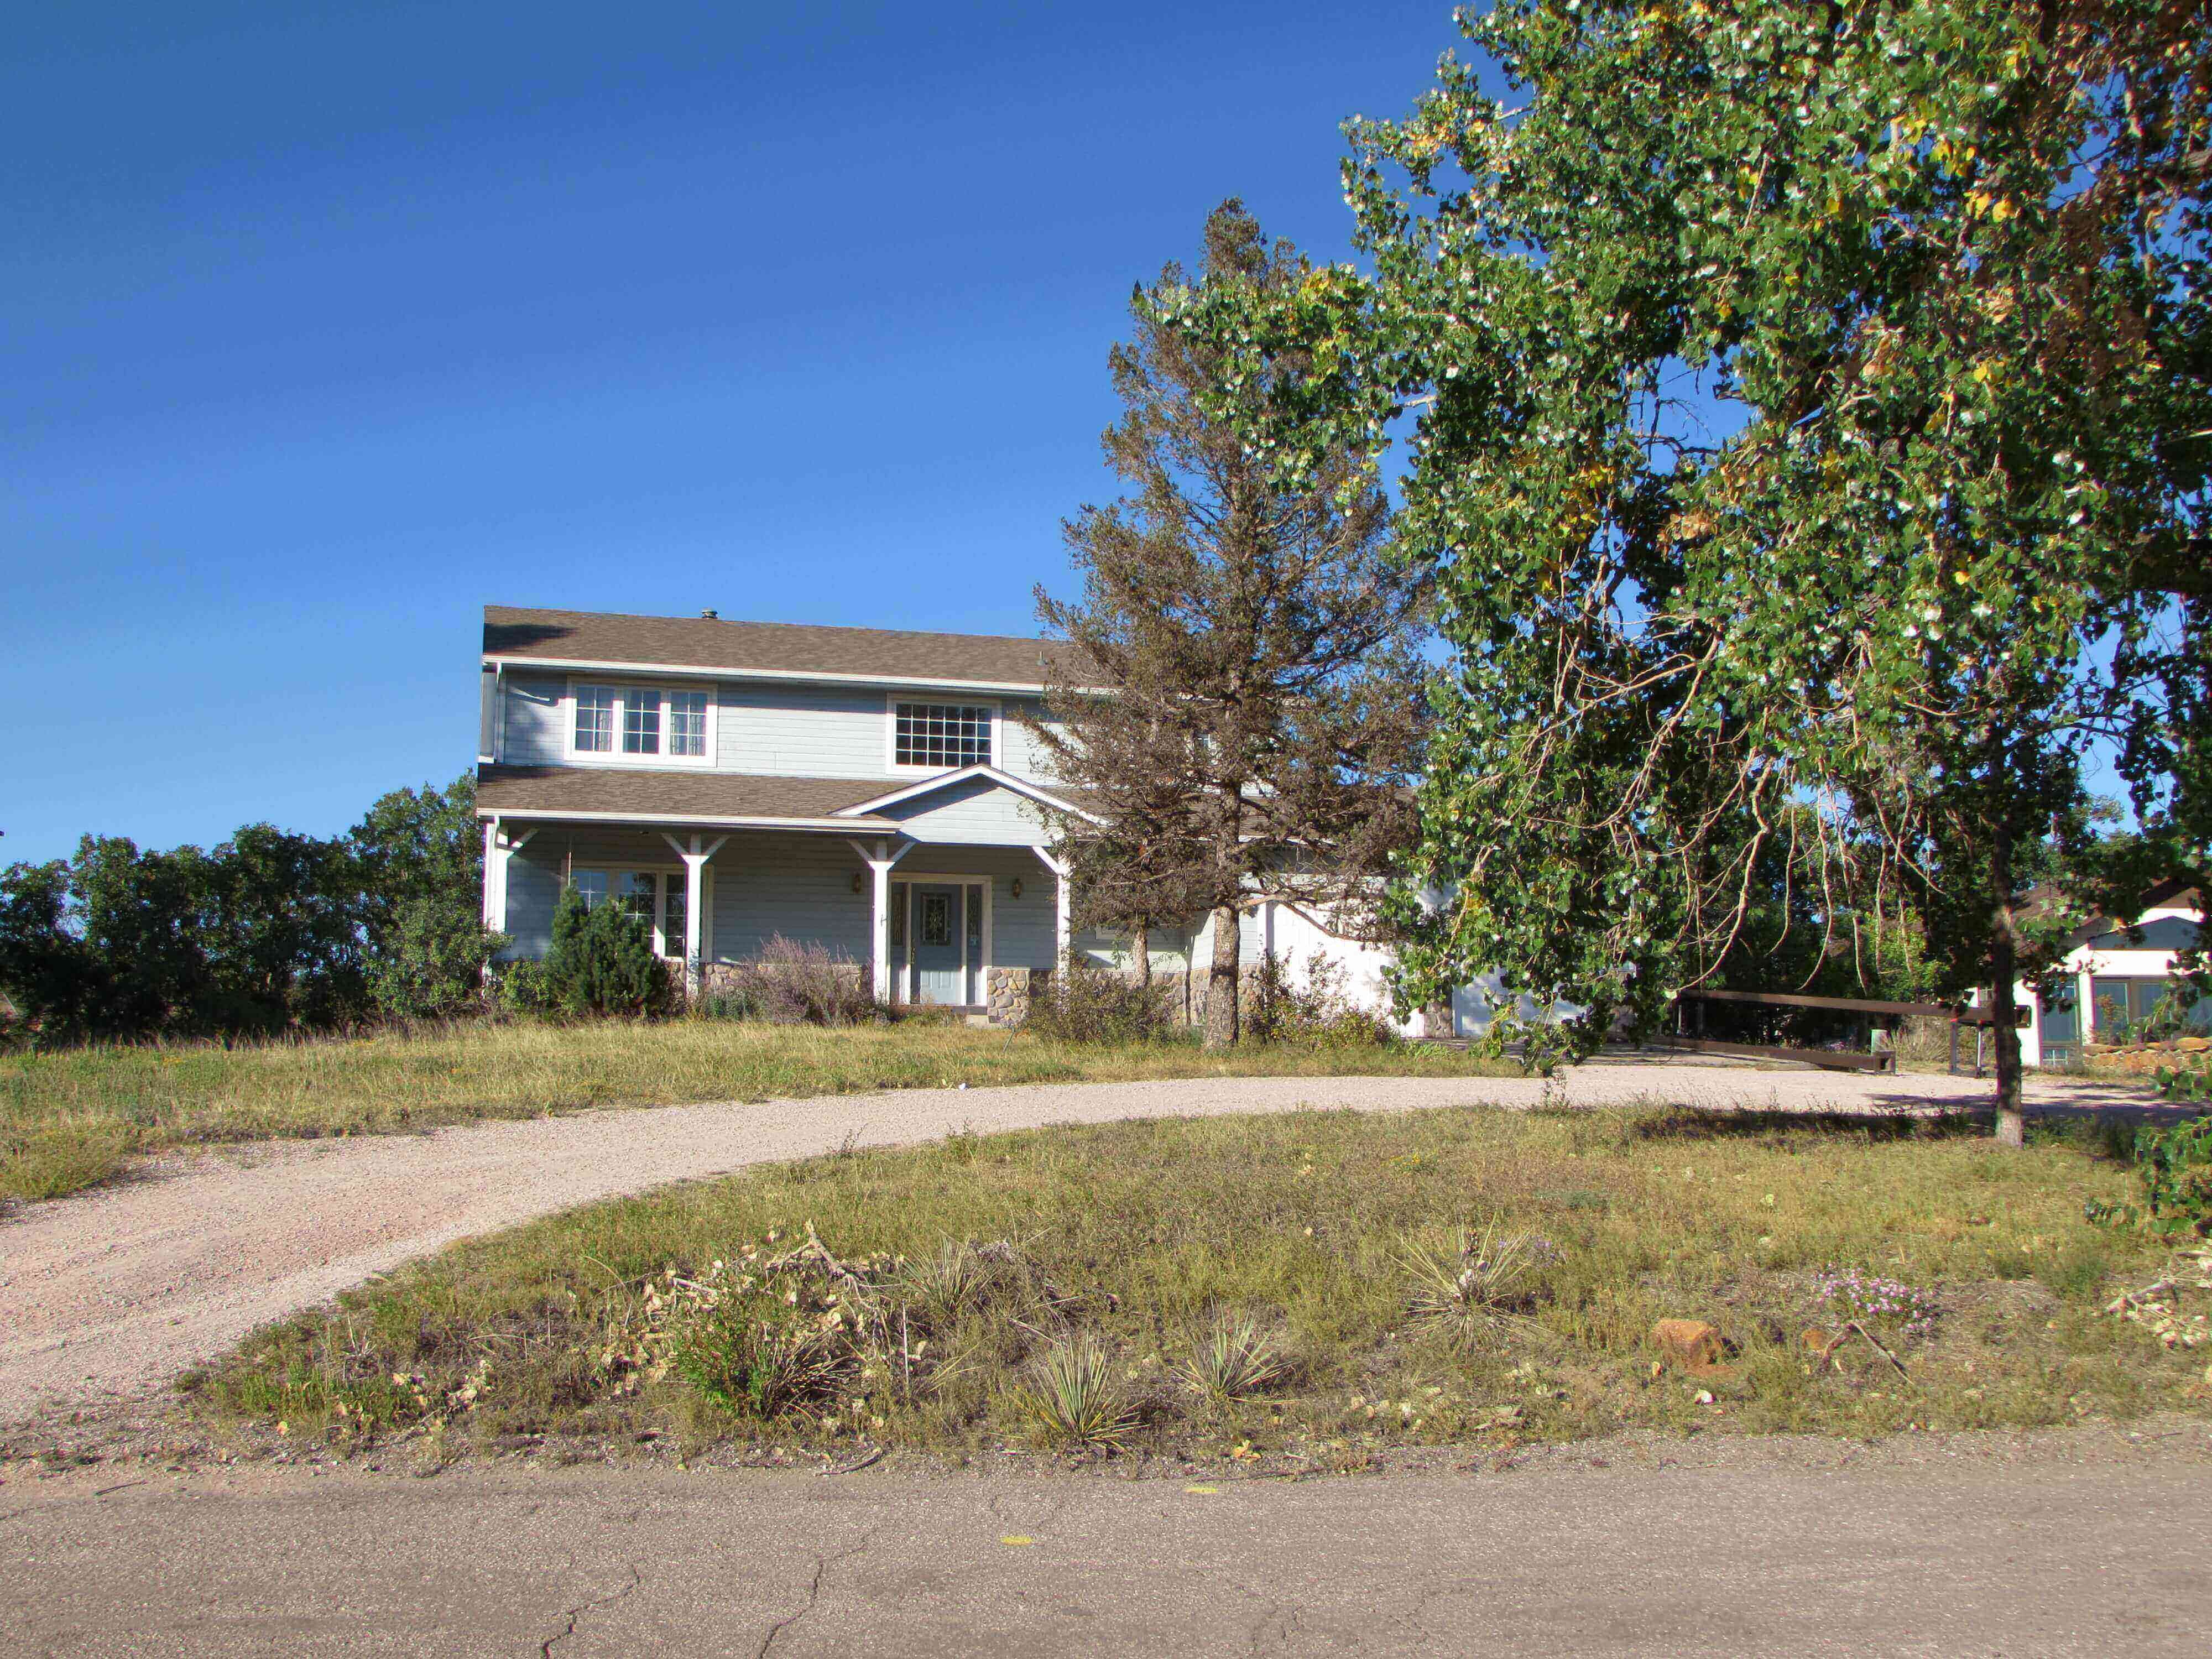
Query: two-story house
{"type": "Point", "coordinates": [865, 790]}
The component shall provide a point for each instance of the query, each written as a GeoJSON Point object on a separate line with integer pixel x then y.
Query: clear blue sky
{"type": "Point", "coordinates": [321, 327]}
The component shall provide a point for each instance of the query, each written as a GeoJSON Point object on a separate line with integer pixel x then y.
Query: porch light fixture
{"type": "Point", "coordinates": [859, 882]}
{"type": "Point", "coordinates": [1017, 888]}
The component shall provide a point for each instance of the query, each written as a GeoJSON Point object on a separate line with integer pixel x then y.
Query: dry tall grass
{"type": "Point", "coordinates": [70, 1120]}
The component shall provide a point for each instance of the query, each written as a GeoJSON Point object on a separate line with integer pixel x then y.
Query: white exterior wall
{"type": "Point", "coordinates": [2093, 960]}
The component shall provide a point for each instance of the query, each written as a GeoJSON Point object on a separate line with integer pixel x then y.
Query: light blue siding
{"type": "Point", "coordinates": [532, 890]}
{"type": "Point", "coordinates": [789, 731]}
{"type": "Point", "coordinates": [1019, 752]}
{"type": "Point", "coordinates": [798, 886]}
{"type": "Point", "coordinates": [762, 728]}
{"type": "Point", "coordinates": [536, 726]}
{"type": "Point", "coordinates": [975, 810]}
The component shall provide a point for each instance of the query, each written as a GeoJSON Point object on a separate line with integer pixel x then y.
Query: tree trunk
{"type": "Point", "coordinates": [2011, 1124]}
{"type": "Point", "coordinates": [1221, 1008]}
{"type": "Point", "coordinates": [1141, 944]}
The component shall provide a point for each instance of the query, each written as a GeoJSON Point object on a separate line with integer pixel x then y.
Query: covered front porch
{"type": "Point", "coordinates": [951, 924]}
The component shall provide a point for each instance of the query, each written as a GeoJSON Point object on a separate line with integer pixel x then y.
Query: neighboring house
{"type": "Point", "coordinates": [868, 790]}
{"type": "Point", "coordinates": [2111, 980]}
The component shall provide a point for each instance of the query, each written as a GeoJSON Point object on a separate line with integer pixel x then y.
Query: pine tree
{"type": "Point", "coordinates": [1246, 722]}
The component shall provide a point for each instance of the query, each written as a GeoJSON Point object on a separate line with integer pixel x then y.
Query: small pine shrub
{"type": "Point", "coordinates": [602, 962]}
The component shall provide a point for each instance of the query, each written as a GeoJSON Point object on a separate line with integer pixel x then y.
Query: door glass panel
{"type": "Point", "coordinates": [936, 920]}
{"type": "Point", "coordinates": [2060, 1024]}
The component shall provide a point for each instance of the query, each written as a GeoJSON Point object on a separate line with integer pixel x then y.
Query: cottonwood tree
{"type": "Point", "coordinates": [1244, 723]}
{"type": "Point", "coordinates": [1810, 435]}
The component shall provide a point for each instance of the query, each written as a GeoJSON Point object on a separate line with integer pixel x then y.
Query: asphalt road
{"type": "Point", "coordinates": [114, 1291]}
{"type": "Point", "coordinates": [1897, 1552]}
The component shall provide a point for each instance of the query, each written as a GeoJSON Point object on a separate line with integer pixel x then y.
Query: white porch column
{"type": "Point", "coordinates": [879, 859]}
{"type": "Point", "coordinates": [1059, 930]}
{"type": "Point", "coordinates": [495, 867]}
{"type": "Point", "coordinates": [695, 886]}
{"type": "Point", "coordinates": [499, 848]}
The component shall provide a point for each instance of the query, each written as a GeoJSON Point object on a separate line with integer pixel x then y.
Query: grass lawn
{"type": "Point", "coordinates": [1112, 1252]}
{"type": "Point", "coordinates": [72, 1119]}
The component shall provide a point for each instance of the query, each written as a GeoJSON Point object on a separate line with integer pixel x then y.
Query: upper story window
{"type": "Point", "coordinates": [642, 723]}
{"type": "Point", "coordinates": [595, 719]}
{"type": "Point", "coordinates": [687, 723]}
{"type": "Point", "coordinates": [941, 735]}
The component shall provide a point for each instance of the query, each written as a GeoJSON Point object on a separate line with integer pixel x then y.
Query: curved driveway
{"type": "Point", "coordinates": [115, 1290]}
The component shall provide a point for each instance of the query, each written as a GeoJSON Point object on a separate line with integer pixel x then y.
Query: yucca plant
{"type": "Point", "coordinates": [1071, 1398]}
{"type": "Point", "coordinates": [948, 1283]}
{"type": "Point", "coordinates": [1476, 1282]}
{"type": "Point", "coordinates": [1229, 1360]}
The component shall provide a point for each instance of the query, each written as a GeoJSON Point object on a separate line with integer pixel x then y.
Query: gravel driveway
{"type": "Point", "coordinates": [115, 1290]}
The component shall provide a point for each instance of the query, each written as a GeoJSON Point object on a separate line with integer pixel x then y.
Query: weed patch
{"type": "Point", "coordinates": [1311, 1288]}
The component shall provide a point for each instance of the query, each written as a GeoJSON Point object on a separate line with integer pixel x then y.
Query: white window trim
{"type": "Point", "coordinates": [615, 756]}
{"type": "Point", "coordinates": [897, 769]}
{"type": "Point", "coordinates": [903, 974]}
{"type": "Point", "coordinates": [664, 947]}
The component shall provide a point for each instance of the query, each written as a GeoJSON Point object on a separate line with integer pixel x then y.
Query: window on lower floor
{"type": "Point", "coordinates": [941, 734]}
{"type": "Point", "coordinates": [2127, 1009]}
{"type": "Point", "coordinates": [658, 898]}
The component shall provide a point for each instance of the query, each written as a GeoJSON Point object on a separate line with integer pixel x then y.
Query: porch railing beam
{"type": "Point", "coordinates": [694, 856]}
{"type": "Point", "coordinates": [1060, 868]}
{"type": "Point", "coordinates": [880, 858]}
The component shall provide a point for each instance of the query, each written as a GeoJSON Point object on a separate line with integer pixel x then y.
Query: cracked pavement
{"type": "Point", "coordinates": [2075, 1543]}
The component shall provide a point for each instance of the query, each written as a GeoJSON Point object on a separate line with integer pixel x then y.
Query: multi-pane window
{"type": "Point", "coordinates": [687, 722]}
{"type": "Point", "coordinates": [595, 719]}
{"type": "Point", "coordinates": [658, 898]}
{"type": "Point", "coordinates": [675, 898]}
{"type": "Point", "coordinates": [941, 734]}
{"type": "Point", "coordinates": [2125, 1008]}
{"type": "Point", "coordinates": [635, 891]}
{"type": "Point", "coordinates": [651, 721]}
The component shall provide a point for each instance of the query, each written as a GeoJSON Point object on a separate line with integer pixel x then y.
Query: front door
{"type": "Point", "coordinates": [940, 935]}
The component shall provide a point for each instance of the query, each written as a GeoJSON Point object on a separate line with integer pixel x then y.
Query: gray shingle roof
{"type": "Point", "coordinates": [778, 647]}
{"type": "Point", "coordinates": [648, 794]}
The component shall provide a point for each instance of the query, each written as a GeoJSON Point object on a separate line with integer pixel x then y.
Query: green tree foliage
{"type": "Point", "coordinates": [420, 859]}
{"type": "Point", "coordinates": [1811, 426]}
{"type": "Point", "coordinates": [602, 962]}
{"type": "Point", "coordinates": [257, 936]}
{"type": "Point", "coordinates": [265, 932]}
{"type": "Point", "coordinates": [1252, 636]}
